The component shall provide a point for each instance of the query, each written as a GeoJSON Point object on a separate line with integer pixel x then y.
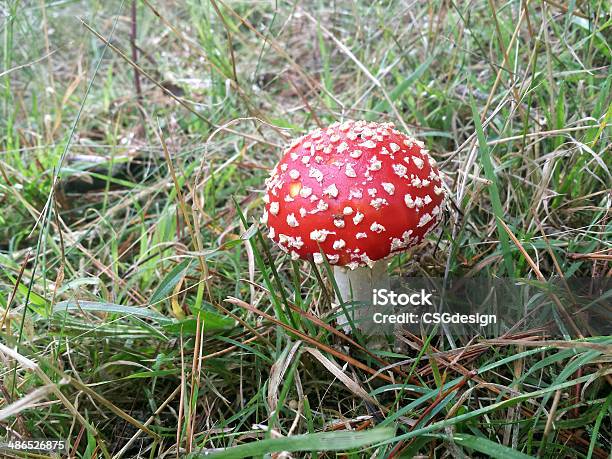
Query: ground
{"type": "Point", "coordinates": [144, 314]}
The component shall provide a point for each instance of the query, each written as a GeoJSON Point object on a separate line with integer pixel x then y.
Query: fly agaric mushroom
{"type": "Point", "coordinates": [357, 192]}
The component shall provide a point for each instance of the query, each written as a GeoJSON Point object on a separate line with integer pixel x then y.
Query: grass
{"type": "Point", "coordinates": [142, 312]}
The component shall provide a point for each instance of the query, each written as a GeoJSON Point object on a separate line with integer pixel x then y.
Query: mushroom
{"type": "Point", "coordinates": [356, 192]}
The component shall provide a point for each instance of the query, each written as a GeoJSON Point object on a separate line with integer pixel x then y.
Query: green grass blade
{"type": "Point", "coordinates": [488, 447]}
{"type": "Point", "coordinates": [170, 281]}
{"type": "Point", "coordinates": [489, 408]}
{"type": "Point", "coordinates": [383, 105]}
{"type": "Point", "coordinates": [93, 306]}
{"type": "Point", "coordinates": [604, 409]}
{"type": "Point", "coordinates": [500, 214]}
{"type": "Point", "coordinates": [322, 441]}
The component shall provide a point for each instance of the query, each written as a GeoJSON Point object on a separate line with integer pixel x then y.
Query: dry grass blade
{"type": "Point", "coordinates": [312, 341]}
{"type": "Point", "coordinates": [350, 384]}
{"type": "Point", "coordinates": [540, 277]}
{"type": "Point", "coordinates": [27, 402]}
{"type": "Point", "coordinates": [14, 290]}
{"type": "Point", "coordinates": [603, 348]}
{"type": "Point", "coordinates": [147, 422]}
{"type": "Point", "coordinates": [24, 361]}
{"type": "Point", "coordinates": [334, 331]}
{"type": "Point", "coordinates": [278, 373]}
{"type": "Point", "coordinates": [31, 365]}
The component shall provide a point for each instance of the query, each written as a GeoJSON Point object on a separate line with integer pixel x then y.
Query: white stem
{"type": "Point", "coordinates": [357, 285]}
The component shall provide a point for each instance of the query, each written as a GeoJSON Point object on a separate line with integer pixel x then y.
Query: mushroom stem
{"type": "Point", "coordinates": [357, 286]}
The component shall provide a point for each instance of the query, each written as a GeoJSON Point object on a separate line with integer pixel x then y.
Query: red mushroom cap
{"type": "Point", "coordinates": [359, 190]}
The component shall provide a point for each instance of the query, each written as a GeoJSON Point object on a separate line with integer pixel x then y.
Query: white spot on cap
{"type": "Point", "coordinates": [361, 235]}
{"type": "Point", "coordinates": [427, 199]}
{"type": "Point", "coordinates": [416, 182]}
{"type": "Point", "coordinates": [342, 147]}
{"type": "Point", "coordinates": [409, 201]}
{"type": "Point", "coordinates": [319, 235]}
{"type": "Point", "coordinates": [305, 160]}
{"type": "Point", "coordinates": [436, 210]}
{"type": "Point", "coordinates": [418, 161]}
{"type": "Point", "coordinates": [418, 202]}
{"type": "Point", "coordinates": [294, 174]}
{"type": "Point", "coordinates": [283, 167]}
{"type": "Point", "coordinates": [331, 190]}
{"type": "Point", "coordinates": [271, 233]}
{"type": "Point", "coordinates": [318, 258]}
{"type": "Point", "coordinates": [266, 198]}
{"type": "Point", "coordinates": [400, 170]}
{"type": "Point", "coordinates": [322, 206]}
{"type": "Point", "coordinates": [347, 210]}
{"type": "Point", "coordinates": [377, 227]}
{"type": "Point", "coordinates": [358, 218]}
{"type": "Point", "coordinates": [274, 208]}
{"type": "Point", "coordinates": [349, 170]}
{"type": "Point", "coordinates": [316, 174]}
{"type": "Point", "coordinates": [365, 259]}
{"type": "Point", "coordinates": [289, 198]}
{"type": "Point", "coordinates": [375, 164]}
{"type": "Point", "coordinates": [372, 192]}
{"type": "Point", "coordinates": [438, 190]}
{"type": "Point", "coordinates": [355, 193]}
{"type": "Point", "coordinates": [333, 259]}
{"type": "Point", "coordinates": [292, 221]}
{"type": "Point", "coordinates": [303, 212]}
{"type": "Point", "coordinates": [368, 144]}
{"type": "Point", "coordinates": [397, 244]}
{"type": "Point", "coordinates": [425, 218]}
{"type": "Point", "coordinates": [389, 187]}
{"type": "Point", "coordinates": [339, 223]}
{"type": "Point", "coordinates": [305, 192]}
{"type": "Point", "coordinates": [291, 241]}
{"type": "Point", "coordinates": [378, 203]}
{"type": "Point", "coordinates": [355, 154]}
{"type": "Point", "coordinates": [394, 147]}
{"type": "Point", "coordinates": [339, 244]}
